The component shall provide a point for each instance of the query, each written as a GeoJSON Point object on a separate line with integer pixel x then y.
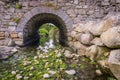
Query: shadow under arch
{"type": "Point", "coordinates": [31, 22]}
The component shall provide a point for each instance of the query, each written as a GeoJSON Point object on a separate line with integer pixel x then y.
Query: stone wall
{"type": "Point", "coordinates": [80, 11]}
{"type": "Point", "coordinates": [91, 26]}
{"type": "Point", "coordinates": [99, 41]}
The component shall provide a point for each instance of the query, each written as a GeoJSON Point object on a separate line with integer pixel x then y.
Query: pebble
{"type": "Point", "coordinates": [71, 72]}
{"type": "Point", "coordinates": [46, 76]}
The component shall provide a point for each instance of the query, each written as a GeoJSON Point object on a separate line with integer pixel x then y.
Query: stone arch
{"type": "Point", "coordinates": [38, 16]}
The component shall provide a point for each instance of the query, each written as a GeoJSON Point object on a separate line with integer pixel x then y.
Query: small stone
{"type": "Point", "coordinates": [46, 76]}
{"type": "Point", "coordinates": [35, 57]}
{"type": "Point", "coordinates": [70, 72]}
{"type": "Point", "coordinates": [98, 72]}
{"type": "Point", "coordinates": [30, 74]}
{"type": "Point", "coordinates": [32, 68]}
{"type": "Point", "coordinates": [25, 63]}
{"type": "Point", "coordinates": [26, 78]}
{"type": "Point", "coordinates": [13, 72]}
{"type": "Point", "coordinates": [18, 76]}
{"type": "Point", "coordinates": [59, 55]}
{"type": "Point", "coordinates": [52, 72]}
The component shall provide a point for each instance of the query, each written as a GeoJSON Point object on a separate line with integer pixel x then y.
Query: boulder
{"type": "Point", "coordinates": [95, 52]}
{"type": "Point", "coordinates": [111, 38]}
{"type": "Point", "coordinates": [86, 38]}
{"type": "Point", "coordinates": [97, 41]}
{"type": "Point", "coordinates": [99, 27]}
{"type": "Point", "coordinates": [114, 63]}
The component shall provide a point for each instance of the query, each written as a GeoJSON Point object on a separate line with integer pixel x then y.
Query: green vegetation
{"type": "Point", "coordinates": [18, 6]}
{"type": "Point", "coordinates": [16, 20]}
{"type": "Point", "coordinates": [47, 31]}
{"type": "Point", "coordinates": [55, 7]}
{"type": "Point", "coordinates": [35, 67]}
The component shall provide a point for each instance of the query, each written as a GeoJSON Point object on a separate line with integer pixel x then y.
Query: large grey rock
{"type": "Point", "coordinates": [111, 38]}
{"type": "Point", "coordinates": [114, 63]}
{"type": "Point", "coordinates": [99, 27]}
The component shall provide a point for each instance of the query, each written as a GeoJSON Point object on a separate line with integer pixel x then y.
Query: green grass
{"type": "Point", "coordinates": [34, 67]}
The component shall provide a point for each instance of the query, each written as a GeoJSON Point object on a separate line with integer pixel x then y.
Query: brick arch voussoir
{"type": "Point", "coordinates": [38, 10]}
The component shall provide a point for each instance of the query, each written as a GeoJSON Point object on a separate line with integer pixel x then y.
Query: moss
{"type": "Point", "coordinates": [55, 7]}
{"type": "Point", "coordinates": [48, 4]}
{"type": "Point", "coordinates": [16, 20]}
{"type": "Point", "coordinates": [18, 6]}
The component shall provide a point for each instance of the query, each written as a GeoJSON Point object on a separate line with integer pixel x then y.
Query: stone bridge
{"type": "Point", "coordinates": [91, 27]}
{"type": "Point", "coordinates": [20, 19]}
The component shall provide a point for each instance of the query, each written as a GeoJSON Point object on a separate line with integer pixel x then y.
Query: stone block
{"type": "Point", "coordinates": [104, 3]}
{"type": "Point", "coordinates": [76, 1]}
{"type": "Point", "coordinates": [2, 34]}
{"type": "Point", "coordinates": [20, 34]}
{"type": "Point", "coordinates": [11, 28]}
{"type": "Point", "coordinates": [81, 11]}
{"type": "Point", "coordinates": [14, 35]}
{"type": "Point", "coordinates": [12, 24]}
{"type": "Point", "coordinates": [34, 3]}
{"type": "Point", "coordinates": [12, 10]}
{"type": "Point", "coordinates": [7, 17]}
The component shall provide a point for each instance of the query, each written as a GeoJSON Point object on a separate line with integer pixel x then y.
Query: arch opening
{"type": "Point", "coordinates": [49, 34]}
{"type": "Point", "coordinates": [31, 35]}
